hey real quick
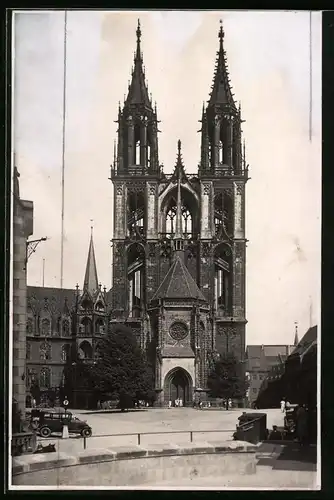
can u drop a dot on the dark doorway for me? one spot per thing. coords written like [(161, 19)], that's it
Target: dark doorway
[(179, 386)]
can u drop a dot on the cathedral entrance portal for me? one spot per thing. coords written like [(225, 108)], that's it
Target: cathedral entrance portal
[(178, 386)]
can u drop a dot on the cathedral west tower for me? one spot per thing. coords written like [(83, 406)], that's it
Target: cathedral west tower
[(179, 239)]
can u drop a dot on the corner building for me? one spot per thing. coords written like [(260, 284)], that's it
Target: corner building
[(179, 239)]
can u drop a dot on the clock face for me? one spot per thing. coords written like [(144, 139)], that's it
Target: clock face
[(178, 331)]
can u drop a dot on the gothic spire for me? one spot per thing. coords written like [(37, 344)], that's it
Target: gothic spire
[(296, 340), (221, 90), (138, 92), (178, 228), (91, 284)]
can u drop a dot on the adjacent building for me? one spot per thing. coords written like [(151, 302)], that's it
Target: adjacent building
[(296, 378), (262, 362), (63, 326), (22, 229)]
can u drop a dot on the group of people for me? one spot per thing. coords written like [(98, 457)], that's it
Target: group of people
[(177, 403), (301, 420)]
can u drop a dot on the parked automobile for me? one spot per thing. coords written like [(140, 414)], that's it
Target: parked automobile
[(47, 422)]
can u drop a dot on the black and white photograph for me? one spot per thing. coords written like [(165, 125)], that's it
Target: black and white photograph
[(165, 277)]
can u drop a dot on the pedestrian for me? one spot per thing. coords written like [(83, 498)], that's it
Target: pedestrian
[(283, 405), (275, 434), (169, 404), (302, 427), (230, 403)]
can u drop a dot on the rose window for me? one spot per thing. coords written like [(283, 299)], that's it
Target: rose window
[(178, 331)]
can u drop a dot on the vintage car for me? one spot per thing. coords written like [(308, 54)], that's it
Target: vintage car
[(48, 422)]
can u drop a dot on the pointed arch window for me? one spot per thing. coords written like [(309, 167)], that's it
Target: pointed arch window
[(86, 326), (45, 351), (99, 306), (45, 327), (187, 223), (65, 352), (136, 274), (186, 220), (66, 330), (45, 377), (221, 152), (100, 326), (30, 326), (85, 350), (223, 277), (137, 153), (31, 378), (171, 220)]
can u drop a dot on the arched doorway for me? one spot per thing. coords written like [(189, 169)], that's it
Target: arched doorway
[(178, 385)]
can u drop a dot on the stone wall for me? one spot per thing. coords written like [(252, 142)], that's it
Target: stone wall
[(135, 465)]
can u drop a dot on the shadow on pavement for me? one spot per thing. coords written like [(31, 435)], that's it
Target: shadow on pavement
[(288, 456)]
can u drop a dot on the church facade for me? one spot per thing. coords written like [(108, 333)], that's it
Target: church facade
[(179, 243), (179, 251)]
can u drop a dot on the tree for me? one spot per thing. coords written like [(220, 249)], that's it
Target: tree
[(227, 378), (122, 370)]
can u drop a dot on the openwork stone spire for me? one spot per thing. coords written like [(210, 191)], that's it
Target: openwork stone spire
[(221, 92), (138, 92)]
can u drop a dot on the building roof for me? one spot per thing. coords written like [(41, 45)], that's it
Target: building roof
[(277, 350), (178, 283), (264, 357), (91, 284), (56, 300), (309, 339)]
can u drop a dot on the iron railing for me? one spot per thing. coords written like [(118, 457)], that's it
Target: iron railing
[(139, 435)]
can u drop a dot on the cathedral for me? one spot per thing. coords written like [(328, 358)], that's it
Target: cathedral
[(178, 250)]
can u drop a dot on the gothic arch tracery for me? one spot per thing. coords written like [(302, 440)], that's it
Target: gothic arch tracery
[(136, 279), (223, 262), (189, 211)]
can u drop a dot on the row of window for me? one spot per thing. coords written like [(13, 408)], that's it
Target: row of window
[(45, 351), (44, 329), (255, 376), (43, 379)]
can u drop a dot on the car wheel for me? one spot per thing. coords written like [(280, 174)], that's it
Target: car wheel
[(87, 432), (45, 432)]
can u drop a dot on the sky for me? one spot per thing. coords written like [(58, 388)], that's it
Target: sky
[(269, 63)]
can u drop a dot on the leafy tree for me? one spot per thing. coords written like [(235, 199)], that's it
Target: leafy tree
[(122, 370), (227, 378)]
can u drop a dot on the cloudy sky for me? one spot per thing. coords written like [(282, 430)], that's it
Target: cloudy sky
[(269, 63)]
